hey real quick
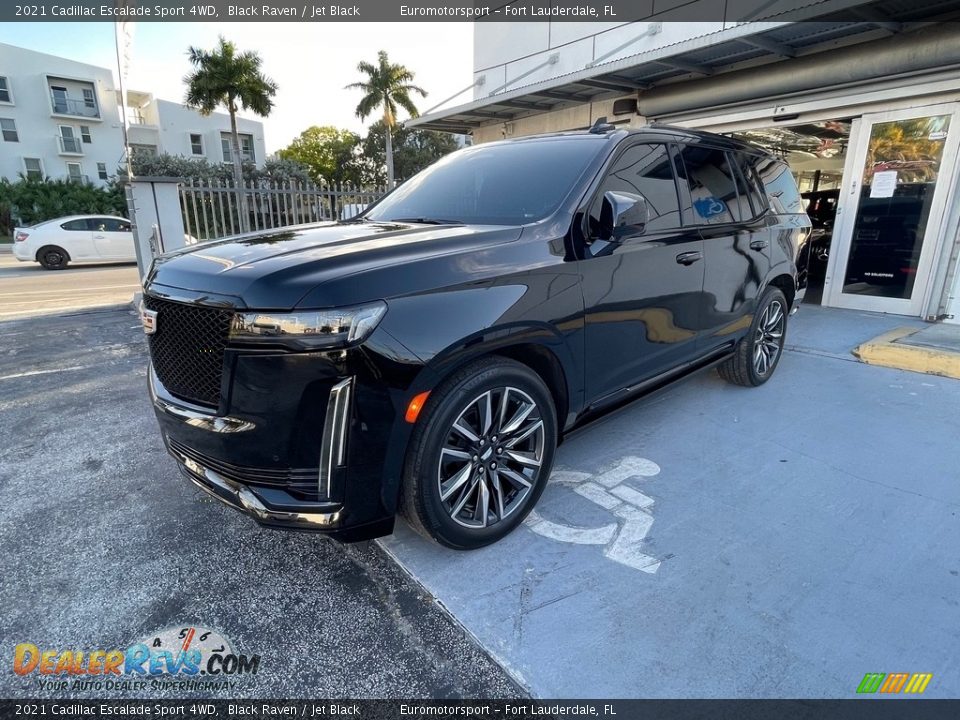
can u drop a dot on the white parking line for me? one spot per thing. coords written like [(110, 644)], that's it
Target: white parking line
[(43, 372)]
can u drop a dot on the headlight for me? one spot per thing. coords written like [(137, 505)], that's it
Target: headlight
[(309, 329)]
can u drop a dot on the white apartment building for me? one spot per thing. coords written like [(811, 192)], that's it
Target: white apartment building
[(862, 87), (62, 119)]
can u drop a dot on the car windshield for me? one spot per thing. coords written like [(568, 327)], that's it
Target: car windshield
[(509, 184)]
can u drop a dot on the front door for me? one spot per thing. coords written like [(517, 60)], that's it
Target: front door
[(900, 169), (113, 238), (642, 293)]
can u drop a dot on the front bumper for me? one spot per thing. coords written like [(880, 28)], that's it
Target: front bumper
[(331, 495)]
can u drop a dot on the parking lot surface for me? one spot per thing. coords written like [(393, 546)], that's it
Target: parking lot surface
[(710, 541), (716, 541), (105, 544)]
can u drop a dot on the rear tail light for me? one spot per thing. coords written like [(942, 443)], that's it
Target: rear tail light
[(21, 236)]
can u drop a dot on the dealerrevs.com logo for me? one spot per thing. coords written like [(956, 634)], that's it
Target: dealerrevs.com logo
[(180, 658)]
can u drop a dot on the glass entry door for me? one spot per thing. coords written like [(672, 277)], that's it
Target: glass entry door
[(900, 171)]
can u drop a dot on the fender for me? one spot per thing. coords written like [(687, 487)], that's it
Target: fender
[(466, 323)]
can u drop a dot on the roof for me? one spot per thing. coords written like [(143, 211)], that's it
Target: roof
[(744, 45)]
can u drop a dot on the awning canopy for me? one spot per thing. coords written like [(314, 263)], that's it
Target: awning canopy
[(735, 48)]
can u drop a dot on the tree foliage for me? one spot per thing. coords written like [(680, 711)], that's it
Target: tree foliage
[(387, 85), (329, 154), (177, 166), (232, 79), (413, 150), (30, 201)]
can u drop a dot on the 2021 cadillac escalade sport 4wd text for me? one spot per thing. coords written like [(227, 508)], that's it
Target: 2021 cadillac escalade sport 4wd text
[(428, 355)]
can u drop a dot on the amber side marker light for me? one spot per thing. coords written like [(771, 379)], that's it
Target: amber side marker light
[(415, 406)]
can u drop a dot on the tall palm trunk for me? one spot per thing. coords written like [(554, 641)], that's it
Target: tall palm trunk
[(242, 206), (389, 157)]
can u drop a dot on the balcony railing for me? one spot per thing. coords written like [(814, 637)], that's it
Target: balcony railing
[(70, 145), (71, 106)]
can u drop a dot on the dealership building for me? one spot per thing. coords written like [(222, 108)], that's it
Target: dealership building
[(862, 98)]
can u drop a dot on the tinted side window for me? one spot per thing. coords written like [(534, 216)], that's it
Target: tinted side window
[(114, 224), (81, 224), (713, 189), (643, 170), (781, 189)]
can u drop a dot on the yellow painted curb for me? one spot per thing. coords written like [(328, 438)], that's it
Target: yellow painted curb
[(883, 350)]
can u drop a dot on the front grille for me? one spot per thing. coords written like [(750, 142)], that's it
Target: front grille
[(187, 349), (301, 479)]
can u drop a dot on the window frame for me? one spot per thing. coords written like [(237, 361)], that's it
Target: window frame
[(27, 171), (89, 101), (612, 161), (8, 90), (85, 137), (79, 166), (199, 136), (4, 131), (102, 174), (748, 158)]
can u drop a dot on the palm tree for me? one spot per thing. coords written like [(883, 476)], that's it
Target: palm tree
[(232, 79), (387, 85)]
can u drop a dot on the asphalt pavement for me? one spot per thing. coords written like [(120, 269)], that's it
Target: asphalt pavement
[(27, 290), (105, 544)]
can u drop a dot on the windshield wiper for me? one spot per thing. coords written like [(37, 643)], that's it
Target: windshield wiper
[(427, 221)]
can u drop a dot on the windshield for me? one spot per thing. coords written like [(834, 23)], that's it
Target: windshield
[(509, 184)]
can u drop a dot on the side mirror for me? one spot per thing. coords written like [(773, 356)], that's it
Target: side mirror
[(622, 214)]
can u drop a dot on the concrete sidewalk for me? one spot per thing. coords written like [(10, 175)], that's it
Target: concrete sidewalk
[(772, 542)]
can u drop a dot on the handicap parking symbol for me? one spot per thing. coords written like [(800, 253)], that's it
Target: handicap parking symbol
[(622, 538)]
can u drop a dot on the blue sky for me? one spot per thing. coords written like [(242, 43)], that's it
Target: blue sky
[(311, 62)]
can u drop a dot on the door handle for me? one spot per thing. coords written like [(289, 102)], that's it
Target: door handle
[(98, 237), (689, 258), (759, 244)]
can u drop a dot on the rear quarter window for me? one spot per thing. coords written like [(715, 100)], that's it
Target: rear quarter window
[(82, 224), (779, 185)]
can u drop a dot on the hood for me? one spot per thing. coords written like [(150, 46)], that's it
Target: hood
[(276, 269)]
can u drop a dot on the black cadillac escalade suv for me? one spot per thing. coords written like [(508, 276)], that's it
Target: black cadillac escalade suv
[(428, 355)]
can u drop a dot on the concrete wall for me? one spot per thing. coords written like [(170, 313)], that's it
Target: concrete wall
[(572, 118), (38, 127), (178, 122), (503, 53)]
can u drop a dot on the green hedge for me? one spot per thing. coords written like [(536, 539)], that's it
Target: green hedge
[(27, 202)]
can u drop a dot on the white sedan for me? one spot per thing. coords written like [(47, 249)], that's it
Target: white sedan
[(75, 239)]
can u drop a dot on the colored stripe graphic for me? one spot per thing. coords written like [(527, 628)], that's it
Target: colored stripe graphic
[(918, 683), (894, 683), (871, 682)]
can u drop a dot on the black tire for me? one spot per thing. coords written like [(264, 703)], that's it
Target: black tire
[(52, 257), (458, 400), (745, 367)]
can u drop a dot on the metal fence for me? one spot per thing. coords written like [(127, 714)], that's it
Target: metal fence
[(211, 208)]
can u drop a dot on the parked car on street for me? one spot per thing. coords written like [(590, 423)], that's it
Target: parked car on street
[(429, 354), (75, 239)]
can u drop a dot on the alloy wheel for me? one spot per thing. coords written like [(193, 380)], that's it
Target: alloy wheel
[(768, 341), (491, 457)]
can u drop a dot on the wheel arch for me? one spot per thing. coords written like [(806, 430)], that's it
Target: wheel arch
[(786, 285), (44, 246)]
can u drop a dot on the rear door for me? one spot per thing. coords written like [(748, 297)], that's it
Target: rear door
[(729, 210), (77, 239), (642, 294)]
